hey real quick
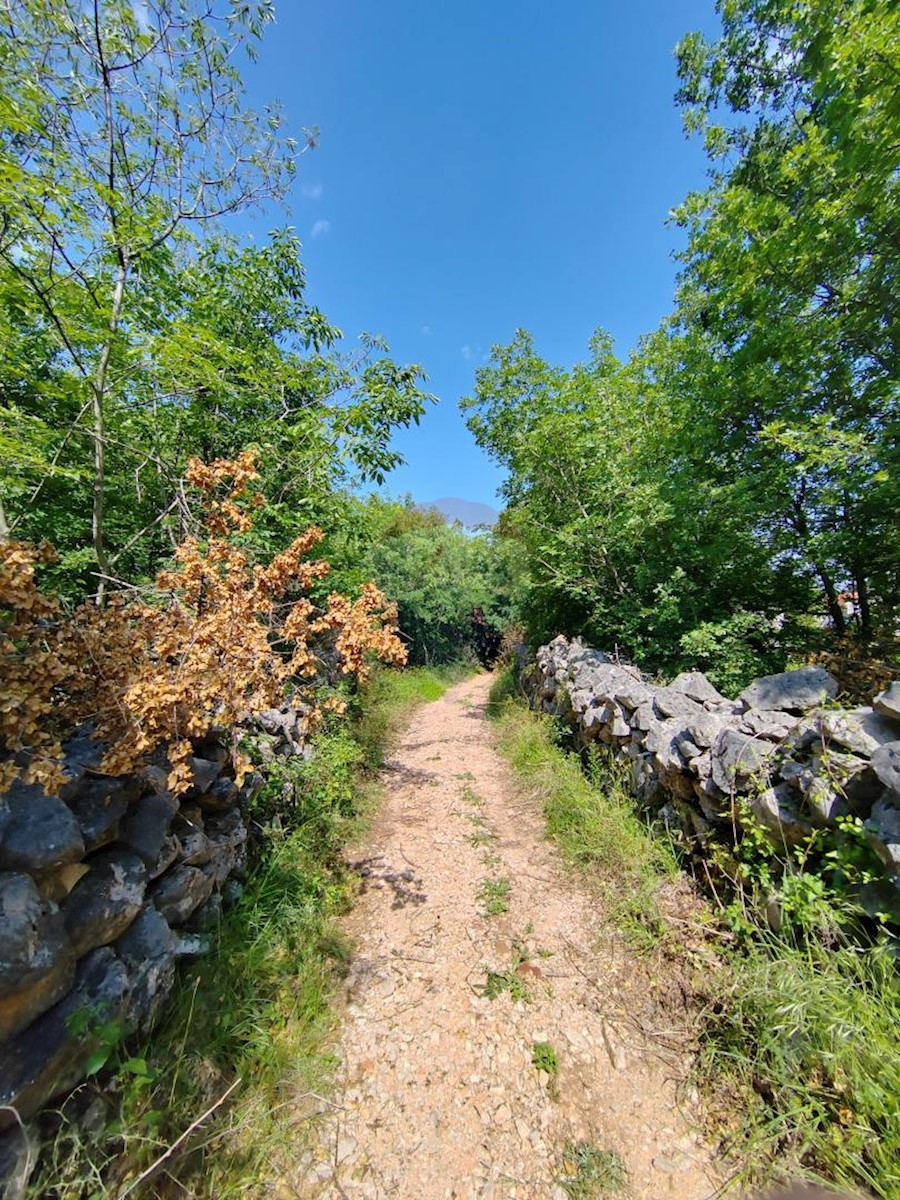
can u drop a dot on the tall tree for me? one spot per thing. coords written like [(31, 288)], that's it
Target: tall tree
[(122, 126), (791, 277)]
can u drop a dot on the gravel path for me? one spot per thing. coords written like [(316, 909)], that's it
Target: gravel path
[(440, 1091)]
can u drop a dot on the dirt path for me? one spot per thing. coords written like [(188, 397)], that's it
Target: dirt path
[(439, 1093)]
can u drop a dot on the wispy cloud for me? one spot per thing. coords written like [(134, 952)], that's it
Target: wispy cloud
[(320, 228), (467, 352), (426, 329), (311, 191)]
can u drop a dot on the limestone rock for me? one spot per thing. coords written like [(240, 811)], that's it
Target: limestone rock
[(669, 702), (19, 1153), (38, 833), (884, 829), (37, 963), (662, 742), (886, 765), (99, 806), (775, 809), (195, 848), (737, 758), (825, 804), (148, 949), (859, 730), (697, 687), (171, 848), (204, 773), (772, 725), (51, 1055), (177, 893), (791, 691), (887, 703), (147, 825), (222, 795), (81, 753), (704, 727), (104, 902)]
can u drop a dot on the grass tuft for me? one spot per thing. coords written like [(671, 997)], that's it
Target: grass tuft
[(589, 1172), (592, 818)]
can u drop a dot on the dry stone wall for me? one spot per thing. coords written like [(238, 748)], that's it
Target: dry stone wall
[(103, 888), (795, 760)]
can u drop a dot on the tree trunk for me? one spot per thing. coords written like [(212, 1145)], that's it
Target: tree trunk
[(862, 593), (98, 433)]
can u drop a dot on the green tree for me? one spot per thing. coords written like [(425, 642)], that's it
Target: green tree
[(790, 279), (438, 574), (121, 125), (628, 539), (139, 333)]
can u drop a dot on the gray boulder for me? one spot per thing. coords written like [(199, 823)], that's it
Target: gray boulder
[(50, 1057), (38, 833), (105, 901), (770, 724), (99, 806), (697, 687), (147, 825), (148, 949), (886, 765), (737, 759), (669, 702), (884, 831), (204, 773), (177, 893), (37, 963), (662, 742), (791, 691), (887, 703), (774, 808), (859, 730)]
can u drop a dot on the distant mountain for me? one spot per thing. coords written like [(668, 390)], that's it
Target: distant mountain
[(467, 512)]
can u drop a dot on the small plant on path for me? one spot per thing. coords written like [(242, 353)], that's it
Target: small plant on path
[(589, 1172), (544, 1058), (511, 980), (494, 895)]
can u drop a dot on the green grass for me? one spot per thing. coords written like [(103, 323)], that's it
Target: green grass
[(258, 1009), (806, 1040), (590, 1172), (499, 983), (799, 1055), (544, 1058), (592, 818), (494, 896)]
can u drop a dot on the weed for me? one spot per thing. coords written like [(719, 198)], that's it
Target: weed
[(589, 1172), (482, 837), (544, 1058), (494, 895), (469, 796), (510, 980)]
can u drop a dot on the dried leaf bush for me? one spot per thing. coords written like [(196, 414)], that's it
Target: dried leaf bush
[(218, 639)]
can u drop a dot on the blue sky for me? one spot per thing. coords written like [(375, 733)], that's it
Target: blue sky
[(483, 166)]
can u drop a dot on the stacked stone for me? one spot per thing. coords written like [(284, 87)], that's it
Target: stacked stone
[(797, 761), (102, 888)]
